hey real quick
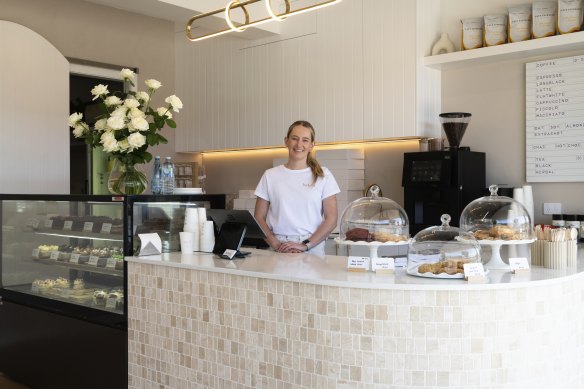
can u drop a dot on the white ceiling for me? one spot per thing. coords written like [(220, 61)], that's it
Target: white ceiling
[(180, 11)]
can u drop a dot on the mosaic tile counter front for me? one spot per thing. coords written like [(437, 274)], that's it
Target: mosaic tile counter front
[(193, 328)]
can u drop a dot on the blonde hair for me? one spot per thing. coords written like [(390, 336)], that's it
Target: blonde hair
[(310, 160)]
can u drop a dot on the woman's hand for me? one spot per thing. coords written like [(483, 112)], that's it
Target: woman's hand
[(292, 247)]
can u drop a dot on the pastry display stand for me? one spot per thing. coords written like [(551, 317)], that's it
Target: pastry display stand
[(496, 262), (372, 246)]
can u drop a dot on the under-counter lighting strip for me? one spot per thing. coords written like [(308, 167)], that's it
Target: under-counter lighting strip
[(319, 144), (233, 4)]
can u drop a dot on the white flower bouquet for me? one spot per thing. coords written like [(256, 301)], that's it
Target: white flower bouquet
[(126, 128)]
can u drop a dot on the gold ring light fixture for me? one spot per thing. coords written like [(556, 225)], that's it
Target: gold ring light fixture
[(234, 4)]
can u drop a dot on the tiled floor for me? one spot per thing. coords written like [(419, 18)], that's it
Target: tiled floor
[(7, 383)]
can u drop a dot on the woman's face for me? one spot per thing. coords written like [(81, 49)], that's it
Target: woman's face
[(299, 142)]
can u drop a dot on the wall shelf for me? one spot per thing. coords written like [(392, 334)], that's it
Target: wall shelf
[(525, 49)]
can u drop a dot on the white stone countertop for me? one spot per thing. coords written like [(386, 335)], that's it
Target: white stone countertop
[(331, 270)]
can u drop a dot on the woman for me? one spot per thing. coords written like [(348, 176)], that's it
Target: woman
[(296, 202)]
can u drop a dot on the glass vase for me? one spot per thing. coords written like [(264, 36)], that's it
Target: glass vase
[(125, 179)]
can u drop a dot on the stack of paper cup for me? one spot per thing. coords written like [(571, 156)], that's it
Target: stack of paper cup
[(528, 201), (188, 242), (203, 244), (193, 225), (207, 237)]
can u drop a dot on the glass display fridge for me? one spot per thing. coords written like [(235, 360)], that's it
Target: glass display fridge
[(63, 281)]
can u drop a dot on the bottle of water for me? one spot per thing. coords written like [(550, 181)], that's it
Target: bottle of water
[(167, 177), (156, 182)]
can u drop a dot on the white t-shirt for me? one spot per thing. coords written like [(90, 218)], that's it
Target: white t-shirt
[(295, 204)]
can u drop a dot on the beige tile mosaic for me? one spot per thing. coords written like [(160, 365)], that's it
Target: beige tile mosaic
[(198, 329)]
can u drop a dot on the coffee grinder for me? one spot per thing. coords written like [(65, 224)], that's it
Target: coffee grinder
[(439, 182)]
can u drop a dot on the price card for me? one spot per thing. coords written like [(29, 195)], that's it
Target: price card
[(68, 225), (106, 228), (88, 226), (35, 288), (74, 258), (111, 263), (474, 272), (519, 265), (35, 253), (49, 223), (33, 223), (66, 293), (358, 264), (110, 302), (54, 255), (93, 260), (383, 265), (229, 254)]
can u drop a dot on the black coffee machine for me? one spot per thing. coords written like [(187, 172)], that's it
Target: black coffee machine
[(439, 182)]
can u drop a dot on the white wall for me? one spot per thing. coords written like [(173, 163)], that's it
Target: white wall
[(495, 95), (34, 95)]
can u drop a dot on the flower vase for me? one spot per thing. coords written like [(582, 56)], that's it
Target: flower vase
[(125, 179), (443, 45)]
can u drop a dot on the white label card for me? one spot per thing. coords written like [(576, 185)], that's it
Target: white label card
[(68, 225), (54, 255), (473, 270), (383, 264), (35, 288), (106, 228), (110, 302), (518, 264), (93, 260), (88, 226), (35, 253), (74, 258), (66, 293), (228, 253), (358, 264), (49, 223), (111, 263), (33, 223)]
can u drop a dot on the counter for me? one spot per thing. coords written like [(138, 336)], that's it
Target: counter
[(299, 320)]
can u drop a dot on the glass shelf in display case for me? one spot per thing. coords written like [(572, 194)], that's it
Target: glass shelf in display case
[(65, 251)]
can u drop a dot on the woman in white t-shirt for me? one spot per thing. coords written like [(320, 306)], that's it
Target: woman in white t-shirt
[(296, 202)]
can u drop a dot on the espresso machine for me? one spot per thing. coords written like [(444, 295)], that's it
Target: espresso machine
[(439, 182)]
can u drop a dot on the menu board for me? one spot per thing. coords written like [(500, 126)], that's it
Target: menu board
[(554, 122)]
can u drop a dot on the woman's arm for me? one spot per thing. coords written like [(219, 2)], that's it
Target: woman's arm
[(329, 206), (261, 213)]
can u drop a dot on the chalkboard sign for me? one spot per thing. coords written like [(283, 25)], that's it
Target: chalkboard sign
[(554, 120)]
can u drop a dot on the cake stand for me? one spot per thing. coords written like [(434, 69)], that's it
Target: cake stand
[(496, 262), (373, 246)]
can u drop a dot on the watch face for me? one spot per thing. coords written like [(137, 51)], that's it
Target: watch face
[(305, 241)]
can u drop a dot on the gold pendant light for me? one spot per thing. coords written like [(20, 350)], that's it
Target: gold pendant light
[(234, 4)]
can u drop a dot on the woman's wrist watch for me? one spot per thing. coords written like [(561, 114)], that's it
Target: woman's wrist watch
[(306, 242)]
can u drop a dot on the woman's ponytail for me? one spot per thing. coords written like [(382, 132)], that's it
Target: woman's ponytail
[(315, 167), (310, 160)]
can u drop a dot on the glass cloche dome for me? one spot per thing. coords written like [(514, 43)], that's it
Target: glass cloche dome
[(374, 219), (441, 252), (496, 217)]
